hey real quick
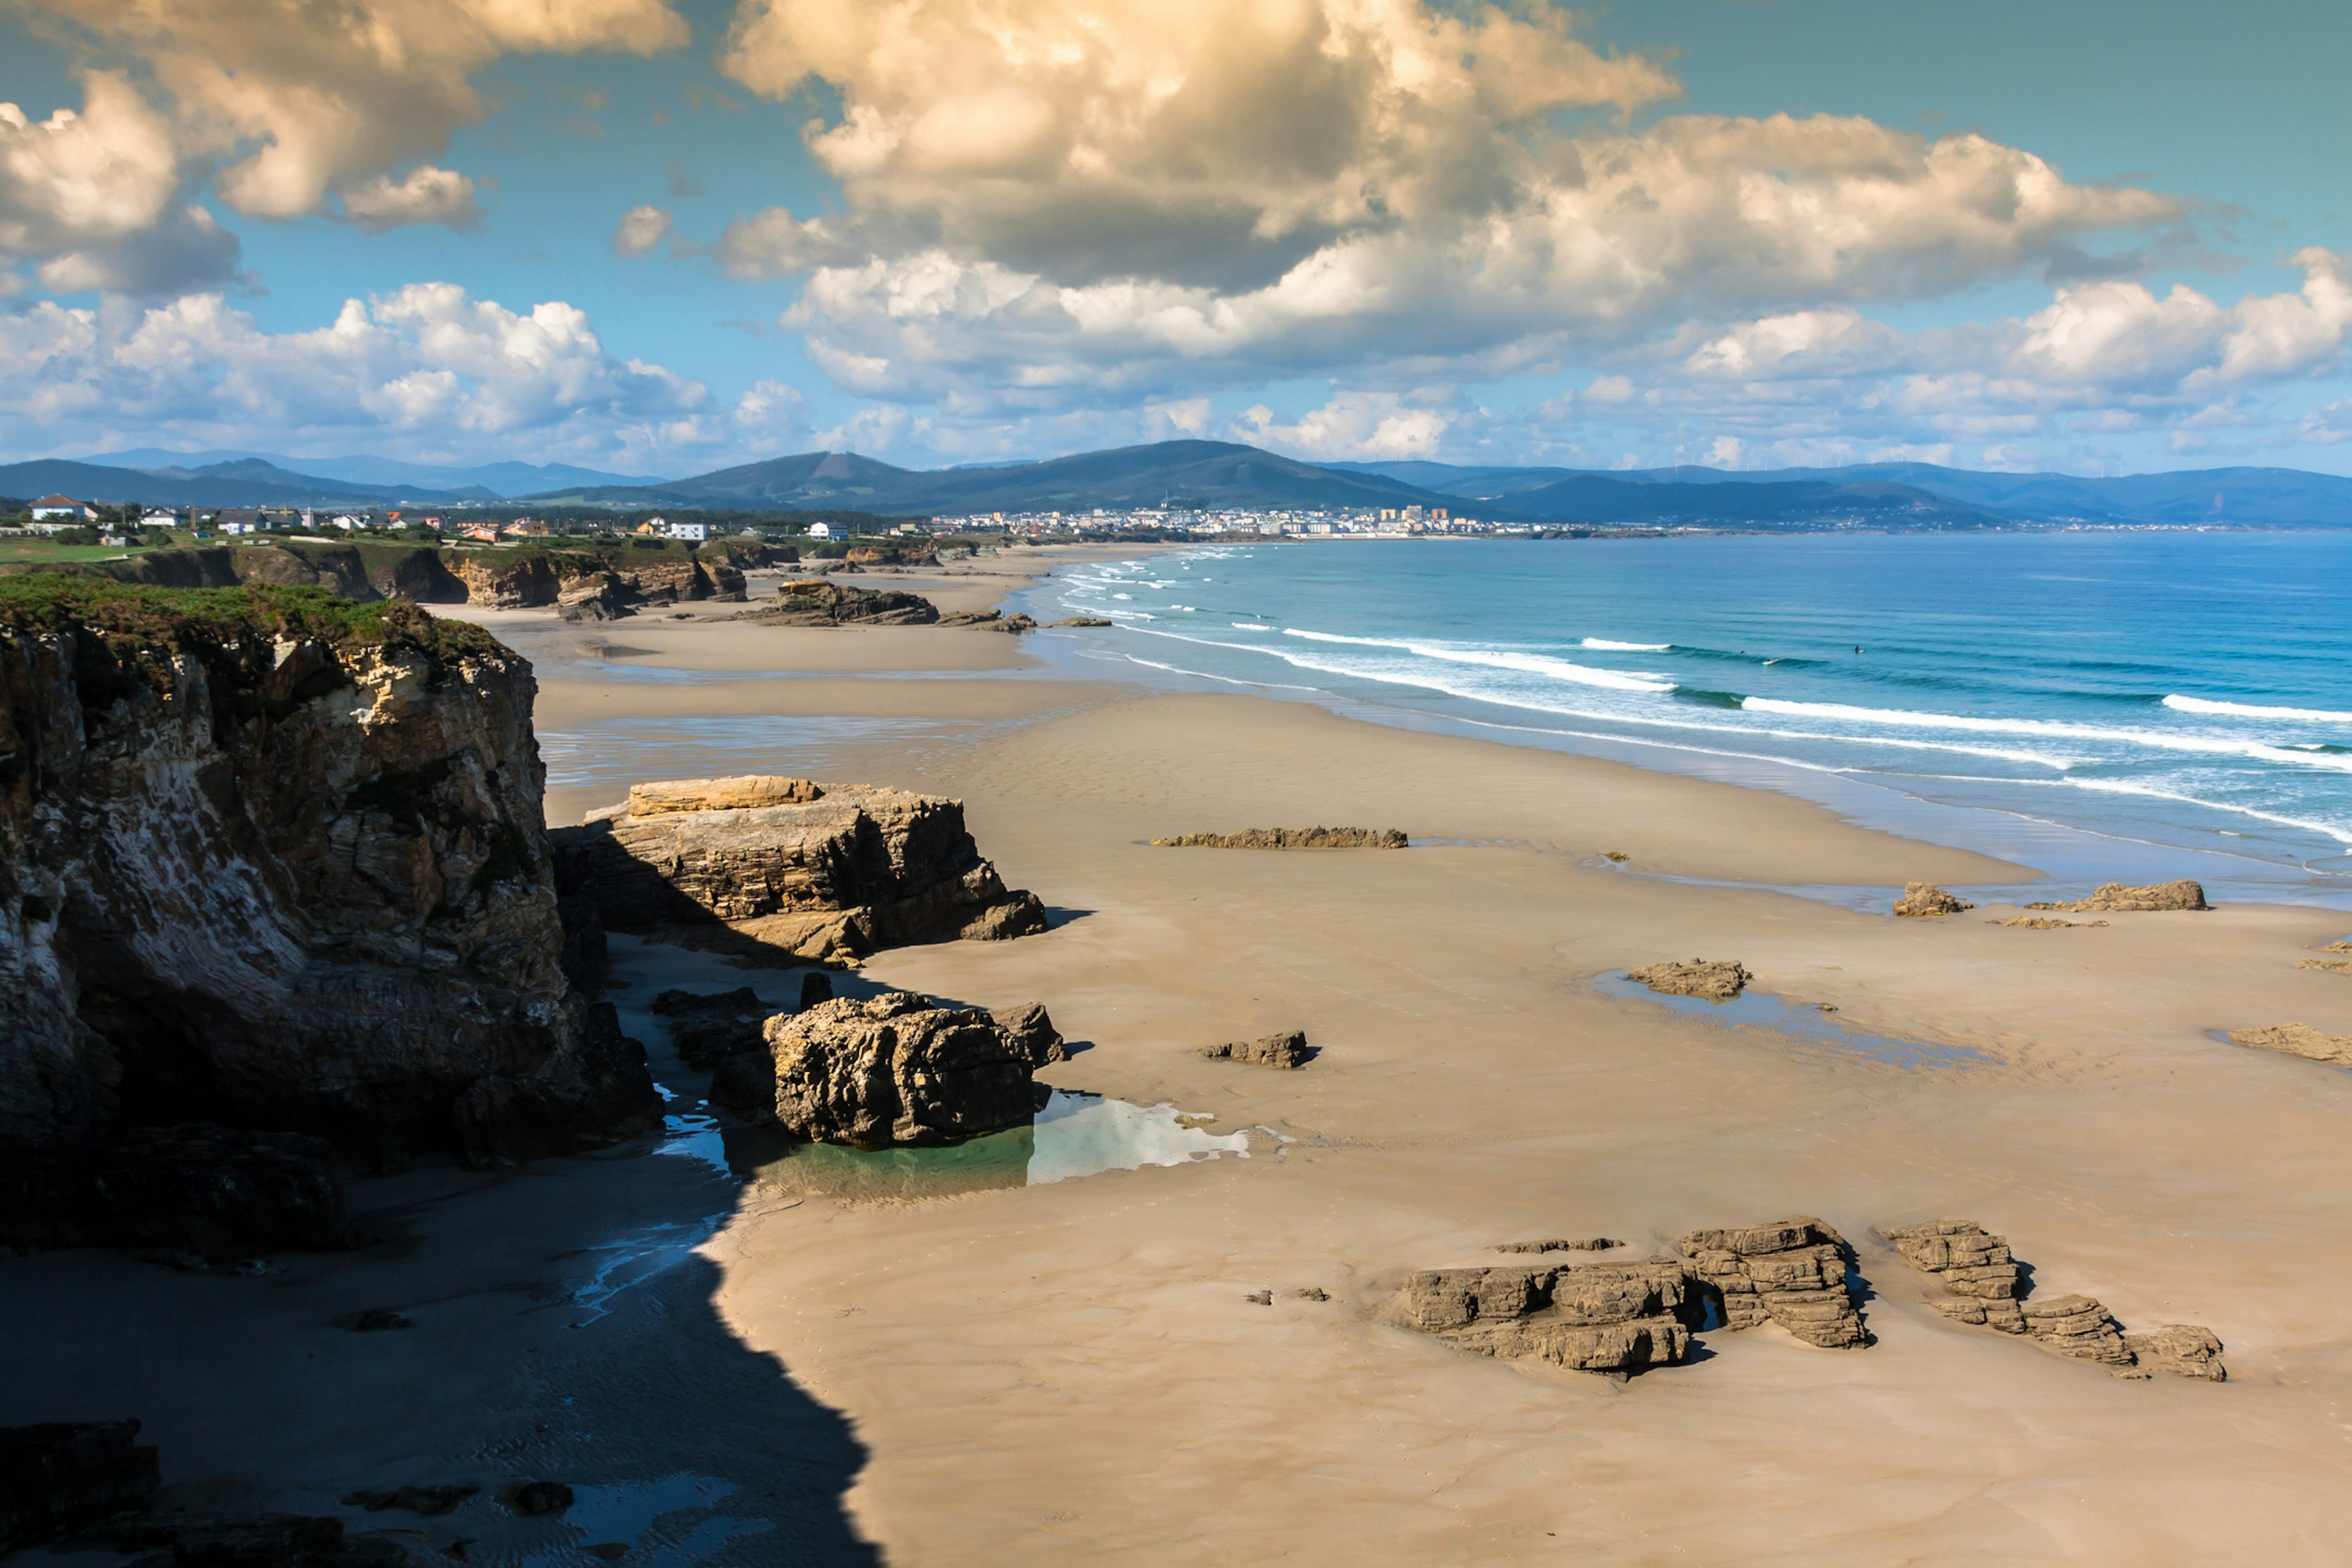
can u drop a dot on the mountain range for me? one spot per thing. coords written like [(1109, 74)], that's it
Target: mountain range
[(1213, 475)]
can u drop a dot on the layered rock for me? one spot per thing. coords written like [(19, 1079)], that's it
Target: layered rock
[(829, 878), (505, 582), (596, 597), (1987, 1289), (2116, 899), (1925, 900), (817, 601), (1289, 838), (1791, 1272), (2299, 1041), (1595, 1317), (748, 792), (898, 1070), (1289, 1050), (276, 862), (1588, 1244), (1716, 980)]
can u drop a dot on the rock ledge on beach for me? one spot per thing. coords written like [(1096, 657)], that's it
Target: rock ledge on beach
[(1618, 1317), (1791, 1272), (1289, 838), (1715, 979), (2116, 899), (2299, 1041), (1925, 900), (1289, 1050)]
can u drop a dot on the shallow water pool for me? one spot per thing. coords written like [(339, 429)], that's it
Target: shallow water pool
[(1760, 1009)]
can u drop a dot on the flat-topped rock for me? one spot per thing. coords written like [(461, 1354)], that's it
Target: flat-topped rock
[(1925, 900), (897, 1070), (1290, 838), (2299, 1041), (1984, 1277), (1716, 979), (2116, 899), (1288, 1050), (829, 878), (1596, 1317), (820, 602), (744, 793), (1790, 1272), (2184, 1349)]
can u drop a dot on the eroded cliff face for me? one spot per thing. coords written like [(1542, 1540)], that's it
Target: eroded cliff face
[(273, 861)]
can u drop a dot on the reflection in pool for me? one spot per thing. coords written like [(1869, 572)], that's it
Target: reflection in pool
[(1810, 1024), (1073, 1134)]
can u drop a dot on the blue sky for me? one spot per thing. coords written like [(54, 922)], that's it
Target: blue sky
[(2094, 238)]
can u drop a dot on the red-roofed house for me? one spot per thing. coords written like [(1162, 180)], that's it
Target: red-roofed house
[(63, 509)]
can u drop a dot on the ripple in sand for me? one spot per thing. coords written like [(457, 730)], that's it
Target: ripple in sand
[(1815, 1028)]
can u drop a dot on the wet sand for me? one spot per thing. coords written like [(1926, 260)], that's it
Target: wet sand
[(1073, 1372)]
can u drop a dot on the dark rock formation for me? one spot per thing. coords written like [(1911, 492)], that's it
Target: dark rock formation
[(60, 1476), (1083, 621), (815, 987), (704, 1028), (507, 582), (597, 597), (534, 1498), (1716, 980), (1791, 1272), (1593, 1317), (1989, 1289), (431, 1502), (1925, 900), (1031, 1033), (2299, 1041), (1283, 1051), (1289, 838), (1590, 1243), (817, 601), (2116, 899), (826, 878), (207, 1192), (897, 1070), (276, 862)]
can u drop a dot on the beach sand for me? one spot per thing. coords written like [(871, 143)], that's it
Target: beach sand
[(1073, 1372)]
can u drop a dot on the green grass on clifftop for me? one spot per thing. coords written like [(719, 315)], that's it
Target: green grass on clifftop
[(50, 602)]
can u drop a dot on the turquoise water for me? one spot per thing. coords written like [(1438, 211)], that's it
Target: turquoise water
[(2162, 690)]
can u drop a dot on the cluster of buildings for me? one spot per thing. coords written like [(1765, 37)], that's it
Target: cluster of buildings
[(1328, 522)]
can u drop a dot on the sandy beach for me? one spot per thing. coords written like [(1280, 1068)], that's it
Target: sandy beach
[(1075, 1373)]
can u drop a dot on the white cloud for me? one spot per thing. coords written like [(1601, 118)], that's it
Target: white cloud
[(427, 195), (639, 230), (1363, 426)]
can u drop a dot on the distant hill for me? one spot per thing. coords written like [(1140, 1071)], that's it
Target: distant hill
[(243, 483), (2275, 497), (499, 480), (1167, 473)]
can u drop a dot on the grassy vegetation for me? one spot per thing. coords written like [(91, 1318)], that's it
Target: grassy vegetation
[(184, 617)]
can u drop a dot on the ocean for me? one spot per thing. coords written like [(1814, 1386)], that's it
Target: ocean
[(2083, 702)]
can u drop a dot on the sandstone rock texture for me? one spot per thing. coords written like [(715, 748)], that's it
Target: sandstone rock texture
[(2042, 922), (1290, 838), (1791, 1272), (276, 862), (2116, 899), (1925, 900), (1716, 980), (1287, 1051), (818, 602), (2299, 1041), (1593, 1317), (747, 793), (898, 1070), (1031, 1033), (1989, 1289), (828, 879), (2330, 965)]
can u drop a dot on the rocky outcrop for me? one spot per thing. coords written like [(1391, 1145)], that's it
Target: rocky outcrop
[(1715, 979), (1619, 1318), (1590, 1244), (897, 1070), (818, 602), (1082, 621), (748, 792), (2299, 1041), (596, 597), (1987, 1289), (62, 1475), (204, 1192), (1289, 838), (1289, 1050), (1925, 900), (505, 582), (2044, 922), (2327, 965), (1032, 1034), (664, 578), (276, 862), (830, 878), (2116, 899), (1791, 1272)]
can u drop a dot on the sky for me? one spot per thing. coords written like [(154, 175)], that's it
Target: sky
[(663, 237)]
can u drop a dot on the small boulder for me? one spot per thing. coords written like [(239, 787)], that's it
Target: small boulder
[(1925, 900), (1716, 980), (815, 987), (1289, 1049), (535, 1498), (2184, 1349), (896, 1070), (1031, 1033)]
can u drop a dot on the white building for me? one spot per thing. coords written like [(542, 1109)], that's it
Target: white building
[(158, 517), (63, 509), (820, 530), (692, 533)]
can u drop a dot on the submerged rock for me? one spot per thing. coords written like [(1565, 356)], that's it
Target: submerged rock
[(1596, 1317), (1989, 1289), (829, 876), (1283, 1051), (2116, 899), (2299, 1041), (1925, 900), (1716, 980), (1290, 838), (1791, 1272), (898, 1070)]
